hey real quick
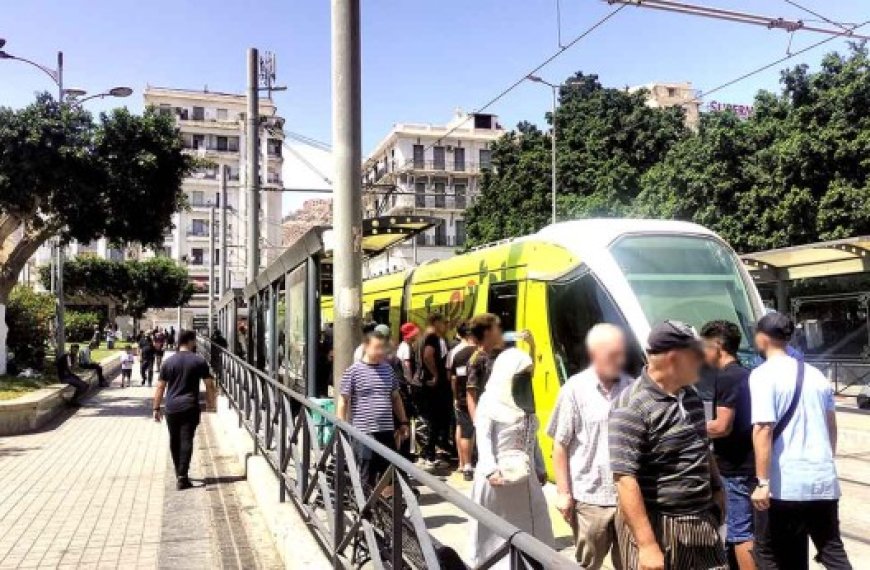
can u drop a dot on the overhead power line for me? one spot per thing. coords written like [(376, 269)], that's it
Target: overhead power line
[(845, 33), (735, 16), (840, 25)]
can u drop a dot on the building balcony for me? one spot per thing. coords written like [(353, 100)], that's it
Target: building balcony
[(426, 240), (388, 172)]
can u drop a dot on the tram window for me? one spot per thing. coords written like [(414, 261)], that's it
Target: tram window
[(576, 304), (502, 302), (381, 312)]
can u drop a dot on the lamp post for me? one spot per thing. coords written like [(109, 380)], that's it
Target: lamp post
[(72, 95), (555, 89)]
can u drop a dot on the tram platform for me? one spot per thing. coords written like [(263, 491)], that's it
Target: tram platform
[(95, 489)]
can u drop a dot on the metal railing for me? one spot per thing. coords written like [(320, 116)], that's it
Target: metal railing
[(307, 446), (847, 376)]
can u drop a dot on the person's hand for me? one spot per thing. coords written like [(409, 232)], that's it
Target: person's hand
[(565, 506), (431, 383), (158, 415), (761, 498), (719, 500), (495, 479), (403, 432), (650, 557)]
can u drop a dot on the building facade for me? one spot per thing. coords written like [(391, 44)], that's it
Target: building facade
[(682, 95), (212, 126), (428, 170)]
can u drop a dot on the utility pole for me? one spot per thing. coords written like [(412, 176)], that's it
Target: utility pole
[(222, 268), (61, 313), (553, 151), (253, 166), (211, 287), (347, 192)]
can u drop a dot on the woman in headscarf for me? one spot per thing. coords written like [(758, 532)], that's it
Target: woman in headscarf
[(510, 468)]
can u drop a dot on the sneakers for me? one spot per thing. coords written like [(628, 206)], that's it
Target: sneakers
[(468, 473), (183, 483)]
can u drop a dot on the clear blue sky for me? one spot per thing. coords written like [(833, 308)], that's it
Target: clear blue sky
[(420, 59)]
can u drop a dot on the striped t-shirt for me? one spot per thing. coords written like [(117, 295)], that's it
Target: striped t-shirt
[(370, 389), (661, 440)]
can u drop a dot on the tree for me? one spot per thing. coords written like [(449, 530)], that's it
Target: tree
[(29, 316), (606, 140), (65, 174), (133, 286)]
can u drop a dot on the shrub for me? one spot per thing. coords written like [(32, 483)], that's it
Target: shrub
[(29, 315), (80, 325)]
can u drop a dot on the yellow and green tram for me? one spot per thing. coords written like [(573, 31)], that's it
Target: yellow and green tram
[(561, 281)]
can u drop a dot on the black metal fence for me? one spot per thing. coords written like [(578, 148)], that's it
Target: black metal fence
[(307, 446)]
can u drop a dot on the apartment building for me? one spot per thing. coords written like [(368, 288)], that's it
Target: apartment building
[(212, 126), (428, 170), (674, 95)]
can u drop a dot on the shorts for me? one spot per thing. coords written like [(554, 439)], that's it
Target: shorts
[(463, 420), (126, 373), (739, 518), (370, 463)]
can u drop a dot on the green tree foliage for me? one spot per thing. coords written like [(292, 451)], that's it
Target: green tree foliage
[(65, 173), (29, 315), (796, 171), (134, 286), (80, 325)]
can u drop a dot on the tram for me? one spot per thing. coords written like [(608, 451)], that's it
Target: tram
[(562, 280)]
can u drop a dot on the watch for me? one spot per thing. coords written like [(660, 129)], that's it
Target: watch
[(763, 482)]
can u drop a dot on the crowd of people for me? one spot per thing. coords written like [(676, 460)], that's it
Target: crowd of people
[(648, 473)]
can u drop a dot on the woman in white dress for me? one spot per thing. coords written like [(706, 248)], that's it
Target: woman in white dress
[(510, 467)]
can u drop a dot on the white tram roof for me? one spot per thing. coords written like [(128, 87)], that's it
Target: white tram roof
[(585, 237)]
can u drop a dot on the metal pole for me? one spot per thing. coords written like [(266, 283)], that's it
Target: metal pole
[(553, 151), (222, 270), (211, 287), (178, 319), (61, 317), (347, 152), (253, 166)]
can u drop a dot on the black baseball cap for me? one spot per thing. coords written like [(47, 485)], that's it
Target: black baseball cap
[(776, 326), (673, 335)]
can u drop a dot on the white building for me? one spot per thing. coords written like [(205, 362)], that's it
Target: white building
[(661, 95), (428, 170), (213, 126)]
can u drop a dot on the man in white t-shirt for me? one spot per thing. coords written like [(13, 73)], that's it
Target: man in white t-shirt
[(795, 439), (406, 350)]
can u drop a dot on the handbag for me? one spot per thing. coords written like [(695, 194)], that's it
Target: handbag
[(514, 465)]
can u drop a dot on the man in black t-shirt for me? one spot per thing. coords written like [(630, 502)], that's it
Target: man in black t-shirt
[(179, 382), (435, 395), (731, 432), (459, 381), (146, 359)]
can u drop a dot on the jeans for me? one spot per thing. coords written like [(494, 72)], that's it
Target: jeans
[(146, 368), (182, 428), (740, 512), (80, 385), (781, 535), (99, 370)]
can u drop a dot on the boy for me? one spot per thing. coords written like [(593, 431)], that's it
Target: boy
[(127, 360)]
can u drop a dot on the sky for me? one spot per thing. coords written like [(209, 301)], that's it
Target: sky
[(420, 60)]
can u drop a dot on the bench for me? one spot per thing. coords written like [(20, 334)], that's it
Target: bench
[(33, 410)]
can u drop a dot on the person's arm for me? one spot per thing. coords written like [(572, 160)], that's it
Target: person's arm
[(716, 486), (633, 509), (158, 398), (471, 392), (486, 461), (530, 340), (454, 387), (399, 411), (342, 408), (762, 396), (832, 429), (561, 429), (430, 361), (723, 424)]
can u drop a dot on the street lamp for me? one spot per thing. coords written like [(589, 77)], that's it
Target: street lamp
[(113, 92), (555, 88)]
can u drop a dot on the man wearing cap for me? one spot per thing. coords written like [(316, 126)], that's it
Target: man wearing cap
[(669, 493), (795, 439)]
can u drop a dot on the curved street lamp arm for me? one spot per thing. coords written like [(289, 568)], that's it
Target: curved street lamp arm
[(48, 71)]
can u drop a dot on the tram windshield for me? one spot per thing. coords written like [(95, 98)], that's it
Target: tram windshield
[(693, 279)]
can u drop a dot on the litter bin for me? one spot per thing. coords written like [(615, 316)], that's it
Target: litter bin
[(321, 424)]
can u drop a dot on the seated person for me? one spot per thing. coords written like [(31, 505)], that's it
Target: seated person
[(87, 363), (65, 374)]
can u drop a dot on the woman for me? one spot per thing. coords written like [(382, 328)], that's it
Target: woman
[(510, 467)]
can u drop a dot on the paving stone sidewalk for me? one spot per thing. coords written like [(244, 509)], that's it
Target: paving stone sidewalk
[(95, 489)]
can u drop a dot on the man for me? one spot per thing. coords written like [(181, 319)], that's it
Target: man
[(435, 394), (666, 479), (370, 401), (64, 364), (179, 382), (731, 432), (87, 363), (487, 333), (458, 370), (146, 359), (405, 351), (795, 439), (586, 494)]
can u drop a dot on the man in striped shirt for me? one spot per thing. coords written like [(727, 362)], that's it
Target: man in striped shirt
[(670, 495), (370, 400)]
